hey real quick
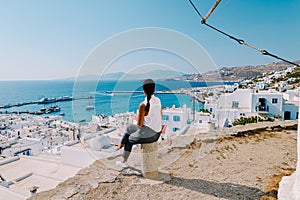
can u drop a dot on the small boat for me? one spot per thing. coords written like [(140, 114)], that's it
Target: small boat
[(89, 107), (46, 100), (55, 108), (83, 120), (110, 94), (62, 114), (65, 98), (39, 113)]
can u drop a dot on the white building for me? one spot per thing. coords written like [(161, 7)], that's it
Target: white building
[(204, 121), (101, 120), (247, 103), (289, 186), (176, 119), (262, 86)]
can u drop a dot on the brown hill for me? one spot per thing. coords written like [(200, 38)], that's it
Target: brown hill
[(238, 73)]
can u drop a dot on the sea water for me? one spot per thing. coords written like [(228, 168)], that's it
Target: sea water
[(12, 92)]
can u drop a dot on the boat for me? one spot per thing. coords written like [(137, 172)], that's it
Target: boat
[(109, 93), (89, 107), (62, 114), (55, 108), (39, 113), (64, 98), (46, 100)]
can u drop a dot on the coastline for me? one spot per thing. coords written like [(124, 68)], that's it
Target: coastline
[(32, 91)]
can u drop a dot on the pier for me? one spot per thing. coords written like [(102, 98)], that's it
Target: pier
[(186, 92), (141, 92), (44, 101)]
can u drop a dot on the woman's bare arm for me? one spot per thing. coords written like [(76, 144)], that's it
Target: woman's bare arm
[(141, 115)]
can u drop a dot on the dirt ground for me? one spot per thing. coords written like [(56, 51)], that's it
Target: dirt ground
[(245, 167)]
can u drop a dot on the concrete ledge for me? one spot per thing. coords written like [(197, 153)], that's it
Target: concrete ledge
[(9, 160)]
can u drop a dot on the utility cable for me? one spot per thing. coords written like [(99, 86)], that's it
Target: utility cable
[(240, 41)]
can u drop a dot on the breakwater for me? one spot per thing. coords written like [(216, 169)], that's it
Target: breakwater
[(44, 101)]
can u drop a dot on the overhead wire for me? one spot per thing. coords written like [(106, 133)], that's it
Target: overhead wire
[(240, 41)]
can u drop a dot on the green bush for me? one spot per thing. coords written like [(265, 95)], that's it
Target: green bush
[(277, 116), (204, 110), (250, 120)]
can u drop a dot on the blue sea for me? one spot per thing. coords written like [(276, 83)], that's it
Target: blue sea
[(12, 92)]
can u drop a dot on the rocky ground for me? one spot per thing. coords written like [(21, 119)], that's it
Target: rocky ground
[(246, 165)]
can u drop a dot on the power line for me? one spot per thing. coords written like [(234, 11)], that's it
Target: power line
[(240, 41)]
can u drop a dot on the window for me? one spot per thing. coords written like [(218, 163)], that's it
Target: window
[(176, 118), (165, 117), (235, 104), (210, 109), (175, 129), (200, 121), (274, 100)]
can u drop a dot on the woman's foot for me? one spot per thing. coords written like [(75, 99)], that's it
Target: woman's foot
[(122, 164), (115, 154)]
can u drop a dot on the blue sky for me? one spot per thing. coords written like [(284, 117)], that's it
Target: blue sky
[(50, 39)]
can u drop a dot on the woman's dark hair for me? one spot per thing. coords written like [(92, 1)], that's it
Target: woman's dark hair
[(149, 88)]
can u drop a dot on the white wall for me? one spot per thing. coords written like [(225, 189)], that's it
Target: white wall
[(274, 108), (34, 145), (203, 121), (291, 108), (289, 185), (243, 97), (182, 113)]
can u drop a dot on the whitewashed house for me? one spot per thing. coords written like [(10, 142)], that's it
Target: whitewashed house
[(26, 146), (262, 85), (176, 119), (101, 120), (204, 121), (247, 102), (290, 69), (230, 88)]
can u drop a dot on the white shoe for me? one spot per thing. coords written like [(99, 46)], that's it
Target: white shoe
[(122, 164), (115, 154)]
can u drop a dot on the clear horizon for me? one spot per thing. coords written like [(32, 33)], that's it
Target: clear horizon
[(51, 39)]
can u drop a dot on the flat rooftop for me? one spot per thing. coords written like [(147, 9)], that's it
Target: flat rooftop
[(46, 173)]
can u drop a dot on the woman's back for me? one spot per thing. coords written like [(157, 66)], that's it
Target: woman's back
[(153, 118)]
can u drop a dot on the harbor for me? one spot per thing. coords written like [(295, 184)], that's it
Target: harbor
[(43, 101)]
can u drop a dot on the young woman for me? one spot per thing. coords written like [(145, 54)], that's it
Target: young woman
[(148, 128)]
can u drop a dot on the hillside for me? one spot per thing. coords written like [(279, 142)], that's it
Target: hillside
[(230, 167), (238, 73)]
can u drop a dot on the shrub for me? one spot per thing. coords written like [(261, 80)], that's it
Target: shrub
[(204, 110), (250, 120), (277, 116)]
